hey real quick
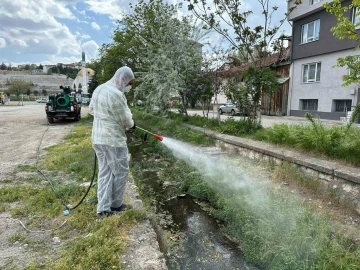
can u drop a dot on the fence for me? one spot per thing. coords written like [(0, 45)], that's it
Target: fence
[(26, 97)]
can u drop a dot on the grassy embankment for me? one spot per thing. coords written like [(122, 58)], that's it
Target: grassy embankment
[(281, 234), (335, 142)]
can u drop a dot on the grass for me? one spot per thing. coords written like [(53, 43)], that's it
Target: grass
[(229, 126), (26, 168), (14, 193), (336, 142), (88, 243), (286, 172), (74, 156), (278, 233), (101, 247), (18, 237)]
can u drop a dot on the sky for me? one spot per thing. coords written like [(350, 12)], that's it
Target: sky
[(57, 31)]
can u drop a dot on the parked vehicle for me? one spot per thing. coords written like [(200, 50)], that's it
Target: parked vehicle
[(3, 98), (229, 107), (64, 105), (42, 100), (85, 98)]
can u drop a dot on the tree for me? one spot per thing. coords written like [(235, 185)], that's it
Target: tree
[(252, 44), (36, 93), (18, 87), (169, 56), (96, 66), (44, 92), (345, 28), (3, 66), (127, 46), (28, 92), (200, 90), (27, 67)]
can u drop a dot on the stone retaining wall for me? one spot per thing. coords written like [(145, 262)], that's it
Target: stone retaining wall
[(339, 181)]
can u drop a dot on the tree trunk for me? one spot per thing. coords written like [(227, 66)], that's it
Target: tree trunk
[(183, 99)]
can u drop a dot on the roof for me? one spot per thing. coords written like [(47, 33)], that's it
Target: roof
[(271, 60)]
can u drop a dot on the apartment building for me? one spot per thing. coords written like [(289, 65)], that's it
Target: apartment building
[(316, 85)]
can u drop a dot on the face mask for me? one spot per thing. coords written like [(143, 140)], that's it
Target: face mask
[(127, 89)]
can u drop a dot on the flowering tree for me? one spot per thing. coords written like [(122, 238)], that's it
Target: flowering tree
[(169, 59)]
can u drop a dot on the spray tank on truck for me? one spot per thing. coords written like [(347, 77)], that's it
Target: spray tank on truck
[(64, 105)]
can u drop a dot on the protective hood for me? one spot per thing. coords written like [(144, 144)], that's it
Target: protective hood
[(121, 78)]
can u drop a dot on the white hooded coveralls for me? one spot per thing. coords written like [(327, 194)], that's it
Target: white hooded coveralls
[(112, 117)]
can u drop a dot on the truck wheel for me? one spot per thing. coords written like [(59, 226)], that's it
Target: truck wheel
[(50, 120), (78, 117)]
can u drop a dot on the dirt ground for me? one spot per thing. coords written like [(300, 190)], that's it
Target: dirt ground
[(21, 129)]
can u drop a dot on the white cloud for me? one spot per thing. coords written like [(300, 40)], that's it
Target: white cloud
[(85, 36), (32, 28), (2, 43), (91, 49), (61, 59), (113, 8), (95, 26)]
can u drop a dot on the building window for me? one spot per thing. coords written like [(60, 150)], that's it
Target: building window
[(314, 1), (311, 73), (310, 31), (355, 18), (309, 104), (342, 105)]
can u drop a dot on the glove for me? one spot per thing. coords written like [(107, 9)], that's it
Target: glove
[(132, 129)]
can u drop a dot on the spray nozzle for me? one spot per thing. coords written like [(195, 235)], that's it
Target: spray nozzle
[(158, 137)]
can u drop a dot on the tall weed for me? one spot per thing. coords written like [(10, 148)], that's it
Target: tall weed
[(338, 142)]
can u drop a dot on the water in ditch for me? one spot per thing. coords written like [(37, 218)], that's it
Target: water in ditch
[(194, 239)]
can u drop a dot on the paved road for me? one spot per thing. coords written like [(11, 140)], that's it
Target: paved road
[(21, 128), (268, 121)]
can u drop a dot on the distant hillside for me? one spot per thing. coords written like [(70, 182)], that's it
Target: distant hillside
[(50, 83)]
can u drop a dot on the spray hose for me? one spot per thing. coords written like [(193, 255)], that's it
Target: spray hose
[(156, 136), (68, 207)]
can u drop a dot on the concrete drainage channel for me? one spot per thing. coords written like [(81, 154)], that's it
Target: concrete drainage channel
[(339, 181), (188, 236)]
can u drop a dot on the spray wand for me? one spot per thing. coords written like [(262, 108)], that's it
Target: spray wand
[(156, 136)]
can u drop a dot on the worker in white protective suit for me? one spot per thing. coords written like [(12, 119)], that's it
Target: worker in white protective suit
[(112, 117)]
